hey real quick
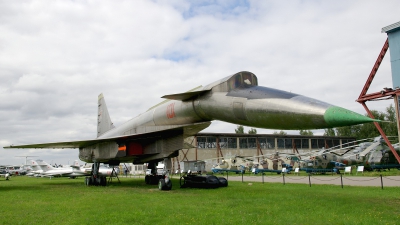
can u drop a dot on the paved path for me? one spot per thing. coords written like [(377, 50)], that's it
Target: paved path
[(388, 181)]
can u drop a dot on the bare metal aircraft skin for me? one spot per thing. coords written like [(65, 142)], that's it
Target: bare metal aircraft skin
[(159, 132)]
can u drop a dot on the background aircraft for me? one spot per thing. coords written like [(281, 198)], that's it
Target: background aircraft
[(36, 170), (372, 153), (16, 170), (236, 164), (158, 134), (72, 171), (275, 163)]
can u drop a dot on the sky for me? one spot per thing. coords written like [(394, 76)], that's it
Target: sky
[(56, 57)]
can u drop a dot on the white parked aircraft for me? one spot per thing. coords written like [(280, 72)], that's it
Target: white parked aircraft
[(35, 169), (50, 171)]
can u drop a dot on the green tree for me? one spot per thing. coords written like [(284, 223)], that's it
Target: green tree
[(240, 129), (390, 127), (348, 131), (252, 131), (306, 132), (330, 132), (280, 132)]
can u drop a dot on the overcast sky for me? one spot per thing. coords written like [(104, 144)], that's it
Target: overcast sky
[(56, 57)]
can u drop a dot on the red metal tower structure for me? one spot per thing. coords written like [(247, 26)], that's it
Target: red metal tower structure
[(386, 93)]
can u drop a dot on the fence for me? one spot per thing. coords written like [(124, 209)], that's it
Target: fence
[(389, 181)]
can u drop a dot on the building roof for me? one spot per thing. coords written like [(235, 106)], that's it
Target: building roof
[(201, 134), (391, 28)]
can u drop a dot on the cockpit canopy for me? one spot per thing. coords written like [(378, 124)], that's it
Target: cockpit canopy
[(237, 80), (226, 84)]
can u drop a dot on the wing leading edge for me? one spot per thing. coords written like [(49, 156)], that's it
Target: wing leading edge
[(188, 130)]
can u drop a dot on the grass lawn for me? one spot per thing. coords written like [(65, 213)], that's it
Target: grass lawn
[(26, 200)]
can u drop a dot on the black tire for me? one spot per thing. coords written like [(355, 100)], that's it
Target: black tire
[(182, 182), (98, 181), (168, 185), (92, 181), (161, 185), (103, 181), (155, 179)]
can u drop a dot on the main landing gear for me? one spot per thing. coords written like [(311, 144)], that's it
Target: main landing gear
[(95, 179), (165, 184), (163, 181)]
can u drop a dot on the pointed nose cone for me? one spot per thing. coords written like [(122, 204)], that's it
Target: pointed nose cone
[(338, 117)]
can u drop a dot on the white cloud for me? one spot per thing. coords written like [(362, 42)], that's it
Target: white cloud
[(56, 57)]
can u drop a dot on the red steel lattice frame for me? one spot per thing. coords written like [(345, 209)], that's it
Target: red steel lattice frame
[(378, 95)]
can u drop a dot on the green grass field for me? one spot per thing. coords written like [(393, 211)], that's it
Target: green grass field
[(26, 200)]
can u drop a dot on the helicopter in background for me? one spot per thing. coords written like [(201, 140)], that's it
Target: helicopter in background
[(373, 154)]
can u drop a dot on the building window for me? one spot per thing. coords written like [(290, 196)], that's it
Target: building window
[(262, 142), (321, 143), (297, 143), (223, 142), (252, 142), (305, 144), (317, 143), (270, 143), (211, 142), (288, 143), (206, 142), (329, 143), (243, 142), (314, 143), (201, 142), (232, 143), (281, 143), (336, 143)]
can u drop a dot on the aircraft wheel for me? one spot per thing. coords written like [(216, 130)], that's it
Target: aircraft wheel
[(161, 184), (98, 181), (89, 181), (182, 182), (103, 181), (154, 179), (92, 181), (168, 185)]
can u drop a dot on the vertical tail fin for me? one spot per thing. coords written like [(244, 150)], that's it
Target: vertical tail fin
[(104, 123), (34, 165), (44, 165), (76, 163)]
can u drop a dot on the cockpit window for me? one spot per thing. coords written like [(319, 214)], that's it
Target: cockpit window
[(242, 78)]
